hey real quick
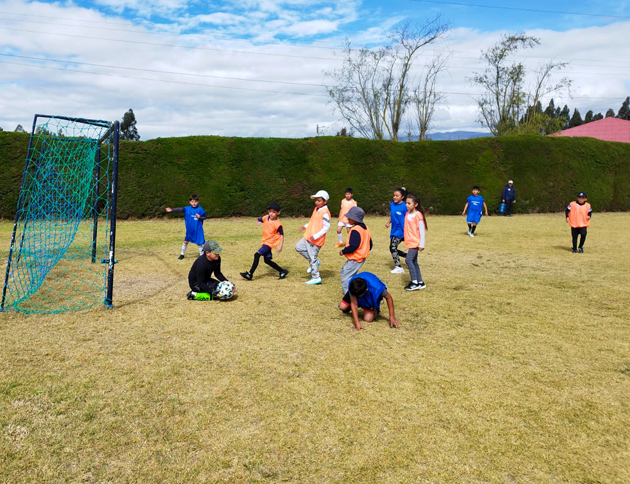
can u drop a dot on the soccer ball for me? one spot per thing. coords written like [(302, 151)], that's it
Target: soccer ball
[(225, 290)]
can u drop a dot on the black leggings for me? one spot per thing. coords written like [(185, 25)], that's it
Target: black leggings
[(267, 260), (574, 235), (394, 242)]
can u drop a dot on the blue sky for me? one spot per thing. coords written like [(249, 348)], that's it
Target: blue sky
[(256, 67)]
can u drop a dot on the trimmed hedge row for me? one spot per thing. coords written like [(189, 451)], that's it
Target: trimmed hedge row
[(240, 176)]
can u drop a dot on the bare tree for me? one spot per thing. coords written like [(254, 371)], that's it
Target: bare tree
[(506, 98), (425, 95), (371, 89)]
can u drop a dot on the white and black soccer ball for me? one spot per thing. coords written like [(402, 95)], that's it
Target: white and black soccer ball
[(225, 290)]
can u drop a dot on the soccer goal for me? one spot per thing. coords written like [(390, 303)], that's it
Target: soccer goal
[(62, 248)]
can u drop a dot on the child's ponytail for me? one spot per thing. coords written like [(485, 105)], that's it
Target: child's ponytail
[(402, 191), (420, 208)]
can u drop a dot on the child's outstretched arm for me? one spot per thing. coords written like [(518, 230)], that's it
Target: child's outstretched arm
[(354, 309), (485, 207), (465, 208), (169, 209), (393, 322)]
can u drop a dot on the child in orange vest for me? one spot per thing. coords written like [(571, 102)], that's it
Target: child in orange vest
[(346, 204), (315, 236), (358, 246), (273, 236), (415, 227), (578, 216)]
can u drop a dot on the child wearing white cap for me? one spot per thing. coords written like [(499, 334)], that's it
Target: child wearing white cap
[(315, 235)]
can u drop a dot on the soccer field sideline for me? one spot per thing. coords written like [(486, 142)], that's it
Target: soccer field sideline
[(512, 366)]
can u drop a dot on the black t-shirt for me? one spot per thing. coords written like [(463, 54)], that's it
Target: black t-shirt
[(201, 272)]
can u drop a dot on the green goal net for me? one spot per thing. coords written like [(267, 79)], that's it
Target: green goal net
[(62, 248)]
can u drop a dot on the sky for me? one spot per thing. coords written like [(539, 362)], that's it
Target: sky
[(257, 68)]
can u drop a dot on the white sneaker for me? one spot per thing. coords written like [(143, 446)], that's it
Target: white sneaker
[(309, 270), (471, 234), (468, 231), (397, 270), (314, 281)]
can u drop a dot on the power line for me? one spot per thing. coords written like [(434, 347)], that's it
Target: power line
[(469, 94), (160, 71), (149, 32), (163, 80), (231, 51), (498, 7)]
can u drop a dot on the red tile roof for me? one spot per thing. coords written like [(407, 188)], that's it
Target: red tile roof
[(607, 129)]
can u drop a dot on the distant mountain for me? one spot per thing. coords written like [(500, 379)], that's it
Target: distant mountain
[(454, 135)]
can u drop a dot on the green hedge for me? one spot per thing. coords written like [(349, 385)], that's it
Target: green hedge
[(240, 176)]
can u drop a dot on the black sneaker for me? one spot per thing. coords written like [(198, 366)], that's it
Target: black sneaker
[(181, 257), (421, 285), (574, 251), (581, 250), (246, 275), (283, 273), (191, 295), (410, 287)]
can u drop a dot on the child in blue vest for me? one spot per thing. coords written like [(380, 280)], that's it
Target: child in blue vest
[(194, 216), (366, 291), (475, 204), (397, 210)]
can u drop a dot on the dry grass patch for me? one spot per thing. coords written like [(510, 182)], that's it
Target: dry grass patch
[(512, 366)]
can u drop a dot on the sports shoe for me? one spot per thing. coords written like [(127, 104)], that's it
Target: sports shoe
[(246, 275), (415, 287), (308, 271), (283, 273), (397, 270), (181, 257), (468, 231), (580, 250), (574, 251), (191, 295), (313, 281), (471, 234), (340, 244)]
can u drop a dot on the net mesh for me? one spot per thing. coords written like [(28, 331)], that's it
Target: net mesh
[(61, 233)]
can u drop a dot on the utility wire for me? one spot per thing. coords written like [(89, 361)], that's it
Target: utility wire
[(44, 59), (469, 94), (523, 9), (230, 51), (162, 80)]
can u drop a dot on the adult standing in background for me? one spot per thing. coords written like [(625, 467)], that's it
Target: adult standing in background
[(508, 197)]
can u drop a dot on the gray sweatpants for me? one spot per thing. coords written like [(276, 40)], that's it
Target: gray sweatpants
[(349, 269), (412, 264), (309, 252)]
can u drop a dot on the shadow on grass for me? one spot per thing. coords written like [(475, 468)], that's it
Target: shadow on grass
[(563, 248)]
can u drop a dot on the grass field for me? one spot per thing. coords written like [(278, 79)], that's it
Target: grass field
[(513, 366)]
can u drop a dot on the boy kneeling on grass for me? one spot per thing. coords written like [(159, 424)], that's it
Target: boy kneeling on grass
[(203, 286), (366, 291)]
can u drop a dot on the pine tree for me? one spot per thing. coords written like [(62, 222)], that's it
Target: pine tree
[(610, 113), (576, 119), (624, 110), (128, 130), (551, 109), (598, 116), (19, 129), (589, 117), (565, 114)]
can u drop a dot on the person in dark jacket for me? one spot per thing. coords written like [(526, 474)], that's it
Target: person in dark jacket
[(200, 276), (508, 197)]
